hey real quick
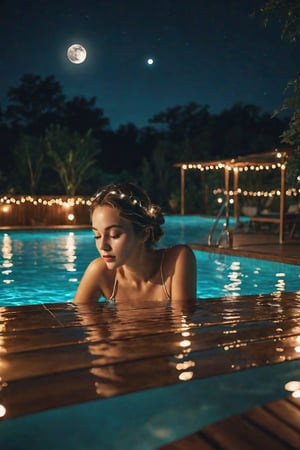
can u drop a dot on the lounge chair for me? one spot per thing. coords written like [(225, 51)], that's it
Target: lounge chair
[(291, 218)]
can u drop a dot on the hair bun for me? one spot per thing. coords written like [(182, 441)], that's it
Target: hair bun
[(155, 213)]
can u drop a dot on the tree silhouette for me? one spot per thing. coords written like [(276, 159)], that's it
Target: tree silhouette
[(72, 156), (80, 114), (158, 173), (288, 14), (30, 156), (182, 122), (34, 104)]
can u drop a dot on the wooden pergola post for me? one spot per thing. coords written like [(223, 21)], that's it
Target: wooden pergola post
[(282, 203), (236, 195), (182, 189), (227, 175)]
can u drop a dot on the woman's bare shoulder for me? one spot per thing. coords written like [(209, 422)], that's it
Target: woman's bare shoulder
[(181, 271), (180, 250), (96, 281), (97, 264), (97, 267), (179, 255)]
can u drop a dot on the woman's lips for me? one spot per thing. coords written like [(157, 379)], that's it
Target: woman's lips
[(108, 258)]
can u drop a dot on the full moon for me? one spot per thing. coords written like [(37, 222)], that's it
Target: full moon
[(76, 54)]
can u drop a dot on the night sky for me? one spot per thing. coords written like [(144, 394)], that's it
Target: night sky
[(211, 52)]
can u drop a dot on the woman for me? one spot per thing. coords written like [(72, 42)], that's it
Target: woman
[(126, 226)]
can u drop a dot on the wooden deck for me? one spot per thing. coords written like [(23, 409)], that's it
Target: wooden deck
[(275, 426), (260, 245), (57, 356), (292, 221)]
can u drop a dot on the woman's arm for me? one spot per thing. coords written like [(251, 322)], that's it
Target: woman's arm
[(89, 290), (184, 278)]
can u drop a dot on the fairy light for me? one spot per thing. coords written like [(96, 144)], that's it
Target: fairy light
[(2, 410), (9, 206), (71, 201), (233, 165)]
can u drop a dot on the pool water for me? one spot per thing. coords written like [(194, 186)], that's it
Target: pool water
[(46, 266)]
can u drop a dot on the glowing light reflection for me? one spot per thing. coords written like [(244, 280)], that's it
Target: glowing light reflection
[(185, 365), (7, 255), (70, 253), (2, 410), (186, 376), (292, 386), (185, 343), (7, 251)]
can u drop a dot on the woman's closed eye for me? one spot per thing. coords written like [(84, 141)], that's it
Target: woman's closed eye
[(115, 235), (110, 236)]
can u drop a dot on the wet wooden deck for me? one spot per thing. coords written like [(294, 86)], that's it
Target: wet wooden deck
[(57, 355), (275, 426), (260, 246)]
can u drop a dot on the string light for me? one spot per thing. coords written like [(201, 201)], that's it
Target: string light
[(231, 166), (60, 201), (292, 192), (65, 209)]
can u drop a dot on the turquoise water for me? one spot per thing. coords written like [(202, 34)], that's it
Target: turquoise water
[(46, 266)]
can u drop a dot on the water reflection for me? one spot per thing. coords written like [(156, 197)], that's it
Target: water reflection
[(7, 256), (70, 253), (7, 251), (136, 346), (3, 351), (280, 282), (118, 348), (293, 387), (2, 410), (130, 352), (236, 279), (186, 366)]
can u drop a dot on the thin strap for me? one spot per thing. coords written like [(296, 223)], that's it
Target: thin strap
[(113, 294), (162, 277), (168, 296)]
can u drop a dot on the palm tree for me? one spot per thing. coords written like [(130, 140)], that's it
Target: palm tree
[(30, 162), (72, 156)]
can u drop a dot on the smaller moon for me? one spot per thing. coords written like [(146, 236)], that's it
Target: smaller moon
[(150, 61), (76, 54)]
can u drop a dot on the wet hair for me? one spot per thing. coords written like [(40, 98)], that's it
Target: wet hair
[(134, 205)]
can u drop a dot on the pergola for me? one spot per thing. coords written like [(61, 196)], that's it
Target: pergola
[(275, 160)]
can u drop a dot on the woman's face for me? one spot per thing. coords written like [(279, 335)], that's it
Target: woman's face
[(116, 240)]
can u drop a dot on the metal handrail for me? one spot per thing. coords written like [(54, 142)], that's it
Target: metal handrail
[(213, 227)]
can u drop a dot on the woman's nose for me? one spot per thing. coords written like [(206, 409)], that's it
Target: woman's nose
[(103, 244)]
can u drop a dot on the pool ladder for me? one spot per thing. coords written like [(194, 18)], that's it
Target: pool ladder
[(225, 233)]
